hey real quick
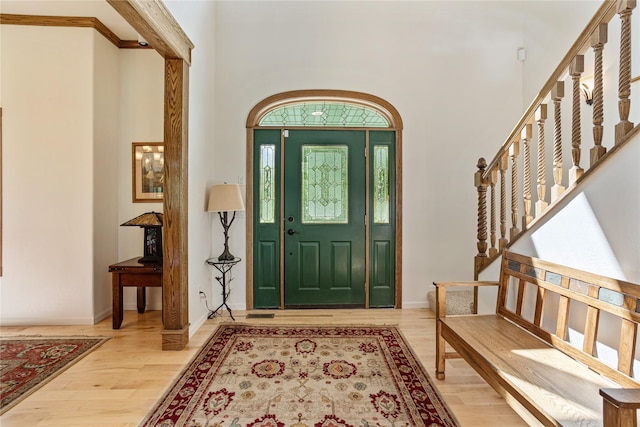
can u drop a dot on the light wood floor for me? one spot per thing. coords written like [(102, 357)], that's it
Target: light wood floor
[(117, 384)]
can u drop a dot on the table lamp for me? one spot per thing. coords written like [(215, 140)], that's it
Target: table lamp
[(224, 198), (152, 224)]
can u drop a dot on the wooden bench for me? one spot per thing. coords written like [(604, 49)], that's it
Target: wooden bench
[(523, 350)]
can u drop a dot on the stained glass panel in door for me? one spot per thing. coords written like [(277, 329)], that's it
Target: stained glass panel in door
[(267, 183), (324, 184)]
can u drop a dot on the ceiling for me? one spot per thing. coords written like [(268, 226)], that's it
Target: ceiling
[(85, 8)]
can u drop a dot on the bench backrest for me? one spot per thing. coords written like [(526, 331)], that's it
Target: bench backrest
[(528, 284)]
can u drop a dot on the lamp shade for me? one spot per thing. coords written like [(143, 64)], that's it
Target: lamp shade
[(149, 219), (224, 198)]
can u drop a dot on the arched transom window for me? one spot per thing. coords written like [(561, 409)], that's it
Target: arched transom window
[(324, 114)]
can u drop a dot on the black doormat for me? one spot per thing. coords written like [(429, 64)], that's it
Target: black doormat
[(260, 316)]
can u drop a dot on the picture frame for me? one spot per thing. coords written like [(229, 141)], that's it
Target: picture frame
[(147, 171)]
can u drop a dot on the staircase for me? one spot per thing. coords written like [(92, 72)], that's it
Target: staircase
[(581, 96)]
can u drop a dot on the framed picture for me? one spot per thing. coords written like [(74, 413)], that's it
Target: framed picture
[(148, 171)]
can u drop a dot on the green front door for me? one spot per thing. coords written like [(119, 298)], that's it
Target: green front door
[(324, 218), (309, 235)]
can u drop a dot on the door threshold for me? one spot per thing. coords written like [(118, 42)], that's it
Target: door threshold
[(260, 315), (322, 306)]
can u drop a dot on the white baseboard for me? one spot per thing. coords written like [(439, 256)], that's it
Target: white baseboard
[(101, 316), (415, 304), (61, 321), (196, 324)]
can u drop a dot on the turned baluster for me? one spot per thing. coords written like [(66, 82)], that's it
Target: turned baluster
[(481, 185), (493, 178), (625, 7), (557, 92), (541, 204), (598, 40), (525, 136), (514, 151), (502, 167), (575, 70)]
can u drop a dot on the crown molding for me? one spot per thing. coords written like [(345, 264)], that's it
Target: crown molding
[(70, 21)]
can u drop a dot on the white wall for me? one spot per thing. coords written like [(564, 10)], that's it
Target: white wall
[(73, 103), (106, 79), (545, 49), (443, 65), (47, 84), (141, 119)]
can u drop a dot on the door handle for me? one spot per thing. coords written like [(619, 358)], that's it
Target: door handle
[(291, 232)]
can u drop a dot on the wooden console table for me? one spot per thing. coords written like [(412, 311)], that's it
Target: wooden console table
[(133, 273)]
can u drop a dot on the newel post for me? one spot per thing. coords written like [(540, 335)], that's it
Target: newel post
[(481, 184), (481, 259)]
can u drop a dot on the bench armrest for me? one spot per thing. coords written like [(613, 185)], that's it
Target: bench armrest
[(619, 406), (622, 397), (441, 293)]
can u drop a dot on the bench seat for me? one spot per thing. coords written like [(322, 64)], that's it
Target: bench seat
[(522, 365), (525, 352)]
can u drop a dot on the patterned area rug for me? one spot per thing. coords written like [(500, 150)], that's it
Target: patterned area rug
[(299, 376), (27, 363)]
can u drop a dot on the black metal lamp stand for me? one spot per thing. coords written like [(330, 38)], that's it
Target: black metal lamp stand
[(226, 255)]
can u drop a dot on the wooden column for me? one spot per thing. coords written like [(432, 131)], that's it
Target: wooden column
[(175, 309), (541, 117), (625, 7), (0, 191), (153, 21), (526, 189), (514, 151), (576, 69), (557, 92), (598, 40)]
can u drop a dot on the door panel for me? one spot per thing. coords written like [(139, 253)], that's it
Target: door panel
[(382, 232), (324, 211), (266, 218)]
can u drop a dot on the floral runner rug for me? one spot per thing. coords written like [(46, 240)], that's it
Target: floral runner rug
[(27, 363), (301, 376)]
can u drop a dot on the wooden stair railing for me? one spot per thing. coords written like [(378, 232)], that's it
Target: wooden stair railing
[(591, 42)]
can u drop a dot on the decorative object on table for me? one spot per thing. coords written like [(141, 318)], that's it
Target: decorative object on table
[(152, 224), (224, 267), (28, 363), (148, 171), (257, 375), (224, 198)]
